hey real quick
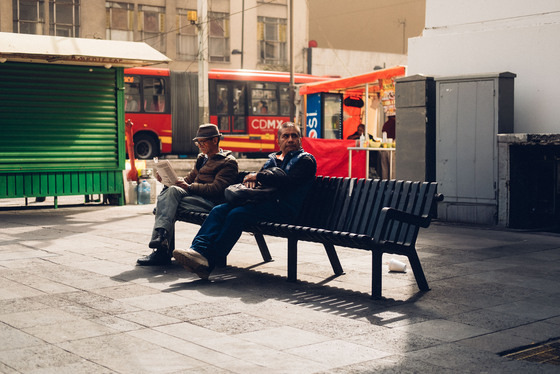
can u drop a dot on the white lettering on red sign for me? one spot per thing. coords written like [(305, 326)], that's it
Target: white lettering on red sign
[(266, 124)]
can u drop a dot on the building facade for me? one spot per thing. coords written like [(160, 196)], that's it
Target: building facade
[(250, 34)]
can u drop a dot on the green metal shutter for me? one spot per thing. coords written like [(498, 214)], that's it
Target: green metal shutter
[(62, 132), (57, 117)]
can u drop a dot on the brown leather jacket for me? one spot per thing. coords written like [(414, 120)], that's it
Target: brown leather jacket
[(210, 176)]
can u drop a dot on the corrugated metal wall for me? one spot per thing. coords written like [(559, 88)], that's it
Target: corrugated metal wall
[(62, 132)]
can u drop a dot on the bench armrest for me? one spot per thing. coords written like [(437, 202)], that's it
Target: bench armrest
[(388, 214)]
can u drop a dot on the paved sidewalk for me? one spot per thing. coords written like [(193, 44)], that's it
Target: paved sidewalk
[(73, 301)]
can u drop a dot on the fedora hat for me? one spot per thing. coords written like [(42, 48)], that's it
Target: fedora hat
[(206, 131)]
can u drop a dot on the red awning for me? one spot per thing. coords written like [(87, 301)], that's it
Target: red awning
[(352, 83)]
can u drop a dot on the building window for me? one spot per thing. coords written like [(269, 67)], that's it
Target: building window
[(119, 21), (272, 40), (29, 16), (64, 17), (151, 22), (218, 37), (187, 36)]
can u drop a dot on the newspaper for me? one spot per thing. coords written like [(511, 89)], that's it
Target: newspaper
[(166, 172)]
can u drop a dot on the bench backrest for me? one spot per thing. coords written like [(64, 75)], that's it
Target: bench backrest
[(350, 205)]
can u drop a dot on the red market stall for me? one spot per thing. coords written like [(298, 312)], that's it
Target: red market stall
[(333, 110)]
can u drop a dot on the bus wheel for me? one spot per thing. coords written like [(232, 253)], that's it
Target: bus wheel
[(145, 146)]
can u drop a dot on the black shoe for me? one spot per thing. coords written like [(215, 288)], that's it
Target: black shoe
[(159, 257), (160, 240)]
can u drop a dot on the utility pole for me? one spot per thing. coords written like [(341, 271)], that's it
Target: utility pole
[(292, 85), (203, 97)]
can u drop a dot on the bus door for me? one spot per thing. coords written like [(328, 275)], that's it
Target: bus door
[(231, 107)]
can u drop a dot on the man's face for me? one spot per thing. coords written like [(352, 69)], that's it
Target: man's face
[(289, 140), (207, 145)]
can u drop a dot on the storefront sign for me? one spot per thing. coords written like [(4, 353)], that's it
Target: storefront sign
[(314, 115)]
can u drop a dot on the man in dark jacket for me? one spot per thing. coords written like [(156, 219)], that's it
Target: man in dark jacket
[(225, 223), (201, 190)]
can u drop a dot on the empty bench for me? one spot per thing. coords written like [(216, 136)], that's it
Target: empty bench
[(381, 216)]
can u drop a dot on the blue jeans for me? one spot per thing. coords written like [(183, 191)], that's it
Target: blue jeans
[(224, 225)]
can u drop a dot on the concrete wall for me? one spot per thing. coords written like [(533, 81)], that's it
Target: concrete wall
[(365, 25), (478, 37), (346, 63)]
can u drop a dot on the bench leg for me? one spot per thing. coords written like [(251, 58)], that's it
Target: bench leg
[(292, 259), (418, 271), (376, 275), (265, 253), (333, 258)]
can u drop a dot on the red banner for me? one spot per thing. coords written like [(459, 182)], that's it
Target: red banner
[(332, 157)]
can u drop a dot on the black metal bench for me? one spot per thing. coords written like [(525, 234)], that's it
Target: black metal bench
[(382, 216)]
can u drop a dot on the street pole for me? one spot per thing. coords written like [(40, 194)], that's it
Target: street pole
[(292, 85), (242, 31), (203, 96)]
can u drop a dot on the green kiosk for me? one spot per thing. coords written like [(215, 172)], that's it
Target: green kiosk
[(62, 114)]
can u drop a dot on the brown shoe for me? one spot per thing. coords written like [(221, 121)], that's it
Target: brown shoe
[(193, 261)]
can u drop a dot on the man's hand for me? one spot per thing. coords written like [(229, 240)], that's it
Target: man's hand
[(158, 177), (181, 183), (250, 180)]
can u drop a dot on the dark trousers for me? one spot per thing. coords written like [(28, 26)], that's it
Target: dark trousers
[(224, 225)]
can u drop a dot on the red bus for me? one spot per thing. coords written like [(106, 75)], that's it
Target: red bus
[(247, 106)]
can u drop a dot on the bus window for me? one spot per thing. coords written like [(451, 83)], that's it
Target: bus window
[(239, 95), (222, 99), (131, 94), (284, 100), (264, 99), (154, 94)]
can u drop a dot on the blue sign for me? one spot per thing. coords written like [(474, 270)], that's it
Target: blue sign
[(314, 115)]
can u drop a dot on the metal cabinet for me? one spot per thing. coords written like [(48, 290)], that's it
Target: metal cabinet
[(415, 128), (470, 112)]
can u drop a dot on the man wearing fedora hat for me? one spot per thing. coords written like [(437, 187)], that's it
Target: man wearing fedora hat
[(201, 190)]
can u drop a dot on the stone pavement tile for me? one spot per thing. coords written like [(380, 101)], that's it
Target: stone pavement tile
[(184, 347), (276, 361), (469, 360), (148, 318), (537, 331), (189, 332), (10, 290), (335, 353), (38, 282), (14, 338), (49, 316), (5, 369), (98, 302), (394, 341), (235, 323), (496, 342), (282, 337), (23, 304), (70, 330), (126, 354), (336, 327), (394, 364), (156, 301), (125, 290), (398, 316), (444, 330), (531, 309), (490, 319), (116, 323), (82, 367), (198, 310), (43, 356), (513, 278)]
